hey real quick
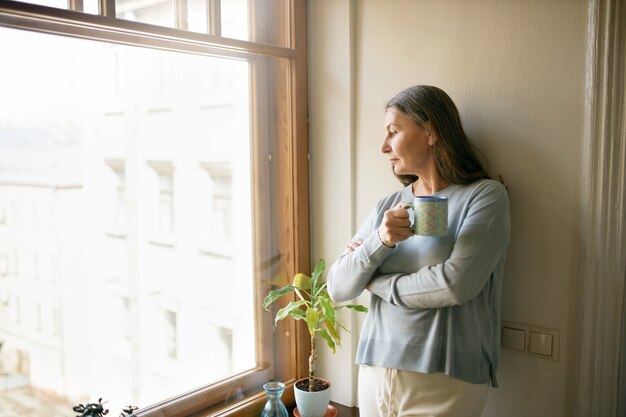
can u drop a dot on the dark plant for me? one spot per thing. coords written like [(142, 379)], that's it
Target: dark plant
[(128, 411), (98, 410), (313, 305)]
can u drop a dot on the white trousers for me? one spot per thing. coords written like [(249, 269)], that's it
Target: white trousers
[(385, 392)]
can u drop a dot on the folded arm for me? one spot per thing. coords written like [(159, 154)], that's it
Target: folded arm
[(350, 274), (480, 245)]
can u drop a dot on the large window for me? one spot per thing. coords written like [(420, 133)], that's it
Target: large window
[(153, 187)]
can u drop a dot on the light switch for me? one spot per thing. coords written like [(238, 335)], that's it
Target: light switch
[(513, 338), (540, 343), (535, 341)]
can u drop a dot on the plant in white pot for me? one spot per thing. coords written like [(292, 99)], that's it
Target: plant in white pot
[(313, 305)]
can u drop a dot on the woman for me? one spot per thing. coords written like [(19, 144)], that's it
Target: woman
[(430, 343)]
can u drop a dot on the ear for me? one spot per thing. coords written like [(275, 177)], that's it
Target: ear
[(430, 133)]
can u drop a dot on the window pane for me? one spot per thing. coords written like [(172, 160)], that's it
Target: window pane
[(87, 6), (59, 4), (235, 19), (197, 16), (262, 21), (155, 12), (91, 6), (125, 180)]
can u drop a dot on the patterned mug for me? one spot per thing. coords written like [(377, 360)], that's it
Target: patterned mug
[(430, 215)]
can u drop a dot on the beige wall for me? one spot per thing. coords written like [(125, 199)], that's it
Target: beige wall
[(516, 70)]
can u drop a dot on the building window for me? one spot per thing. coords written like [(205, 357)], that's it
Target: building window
[(124, 318), (164, 197), (7, 213), (219, 210), (14, 262), (222, 352), (132, 83), (56, 319), (17, 311), (170, 338), (119, 209), (35, 266), (4, 263), (3, 213), (38, 318)]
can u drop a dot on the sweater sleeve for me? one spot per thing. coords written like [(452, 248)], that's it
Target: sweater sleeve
[(352, 271), (480, 245)]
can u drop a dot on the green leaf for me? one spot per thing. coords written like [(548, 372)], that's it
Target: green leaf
[(313, 305), (343, 327), (330, 326), (319, 292), (317, 273), (273, 295), (356, 307), (312, 317), (290, 309), (329, 340), (296, 314), (303, 282), (327, 309)]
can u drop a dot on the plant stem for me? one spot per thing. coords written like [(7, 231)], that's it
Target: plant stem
[(312, 360)]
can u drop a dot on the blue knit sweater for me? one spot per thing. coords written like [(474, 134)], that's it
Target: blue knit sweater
[(435, 302)]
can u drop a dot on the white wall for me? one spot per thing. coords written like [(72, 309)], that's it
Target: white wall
[(516, 70)]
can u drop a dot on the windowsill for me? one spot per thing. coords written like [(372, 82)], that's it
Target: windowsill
[(342, 410), (220, 251), (163, 240), (345, 411), (116, 233)]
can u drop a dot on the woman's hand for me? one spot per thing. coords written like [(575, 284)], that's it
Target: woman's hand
[(396, 225), (353, 244)]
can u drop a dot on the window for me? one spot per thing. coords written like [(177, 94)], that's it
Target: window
[(3, 213), (17, 313), (166, 141), (14, 260), (117, 189), (170, 338), (124, 311), (35, 269), (224, 348), (163, 197), (4, 263), (218, 209)]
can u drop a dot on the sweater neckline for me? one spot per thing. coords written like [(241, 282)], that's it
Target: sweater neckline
[(443, 192)]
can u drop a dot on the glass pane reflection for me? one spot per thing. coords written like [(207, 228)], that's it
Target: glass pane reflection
[(155, 12), (118, 214)]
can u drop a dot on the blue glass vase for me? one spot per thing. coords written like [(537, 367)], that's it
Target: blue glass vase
[(274, 406)]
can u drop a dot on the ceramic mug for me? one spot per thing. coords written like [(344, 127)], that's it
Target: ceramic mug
[(430, 215)]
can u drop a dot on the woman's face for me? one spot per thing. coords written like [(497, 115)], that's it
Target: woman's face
[(408, 146)]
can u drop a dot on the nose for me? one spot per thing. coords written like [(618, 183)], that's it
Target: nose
[(385, 148)]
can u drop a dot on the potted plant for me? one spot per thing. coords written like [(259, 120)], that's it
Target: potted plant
[(313, 305), (98, 410)]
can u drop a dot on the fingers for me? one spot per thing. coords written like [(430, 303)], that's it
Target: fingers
[(396, 225), (397, 217), (353, 244)]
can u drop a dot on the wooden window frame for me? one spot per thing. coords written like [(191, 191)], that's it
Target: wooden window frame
[(286, 352)]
